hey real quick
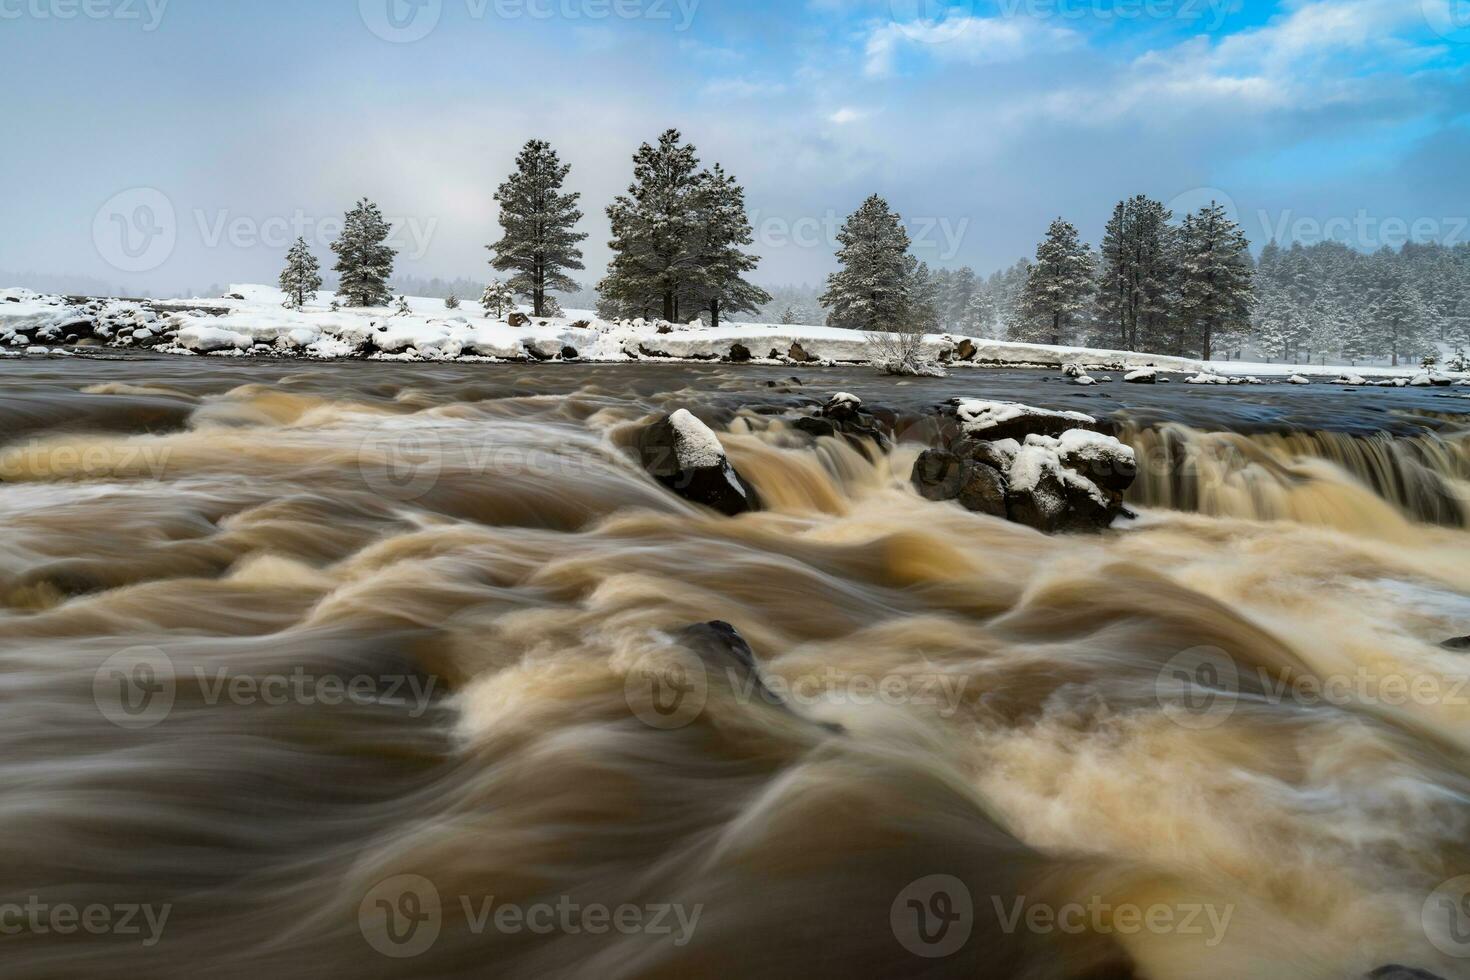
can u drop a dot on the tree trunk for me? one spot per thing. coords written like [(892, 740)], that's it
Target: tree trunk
[(714, 313), (669, 310)]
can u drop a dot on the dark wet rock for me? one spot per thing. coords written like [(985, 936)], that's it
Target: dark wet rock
[(983, 490), (518, 320), (726, 653), (686, 456), (1457, 643), (569, 354), (816, 426), (582, 325), (939, 475), (798, 354), (739, 353), (966, 350), (1396, 972)]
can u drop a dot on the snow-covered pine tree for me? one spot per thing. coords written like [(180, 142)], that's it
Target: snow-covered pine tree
[(724, 227), (1400, 323), (656, 232), (302, 277), (364, 260), (926, 297), (1215, 277), (537, 218), (957, 300), (498, 299), (451, 302), (400, 308), (1056, 290), (1135, 273), (870, 291)]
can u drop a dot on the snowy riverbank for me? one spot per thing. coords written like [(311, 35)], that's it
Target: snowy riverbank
[(251, 321)]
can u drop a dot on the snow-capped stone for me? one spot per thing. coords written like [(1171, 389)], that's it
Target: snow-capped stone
[(1070, 478), (993, 420), (1297, 379), (1352, 379), (1143, 376), (1205, 378), (686, 456), (1084, 380), (1430, 379)]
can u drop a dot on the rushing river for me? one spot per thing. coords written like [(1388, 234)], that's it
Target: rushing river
[(365, 670)]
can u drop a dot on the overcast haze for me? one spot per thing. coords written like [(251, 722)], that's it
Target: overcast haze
[(251, 121)]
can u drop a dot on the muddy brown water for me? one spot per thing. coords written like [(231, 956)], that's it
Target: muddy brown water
[(374, 670)]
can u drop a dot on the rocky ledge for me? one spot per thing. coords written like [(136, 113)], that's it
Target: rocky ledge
[(1052, 471)]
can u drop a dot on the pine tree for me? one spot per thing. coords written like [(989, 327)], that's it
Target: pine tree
[(717, 283), (1135, 274), (1215, 276), (925, 297), (1400, 323), (1056, 289), (499, 299), (451, 302), (364, 260), (656, 231), (959, 297), (870, 292), (537, 219), (301, 278)]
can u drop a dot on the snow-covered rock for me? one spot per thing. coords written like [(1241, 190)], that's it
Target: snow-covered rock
[(1084, 379), (1205, 378), (1352, 379), (1068, 478), (1143, 376), (686, 456), (991, 420), (1297, 379)]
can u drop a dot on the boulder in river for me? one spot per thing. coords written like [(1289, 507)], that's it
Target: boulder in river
[(1457, 643), (1143, 376), (1071, 481), (685, 455), (988, 420), (1396, 972)]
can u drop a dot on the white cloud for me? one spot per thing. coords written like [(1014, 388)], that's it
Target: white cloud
[(967, 40), (845, 115)]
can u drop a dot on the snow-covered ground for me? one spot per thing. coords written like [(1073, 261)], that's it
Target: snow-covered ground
[(252, 320)]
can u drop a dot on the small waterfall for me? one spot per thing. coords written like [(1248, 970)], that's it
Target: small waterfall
[(1308, 476)]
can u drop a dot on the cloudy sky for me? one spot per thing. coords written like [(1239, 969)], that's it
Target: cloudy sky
[(170, 144)]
